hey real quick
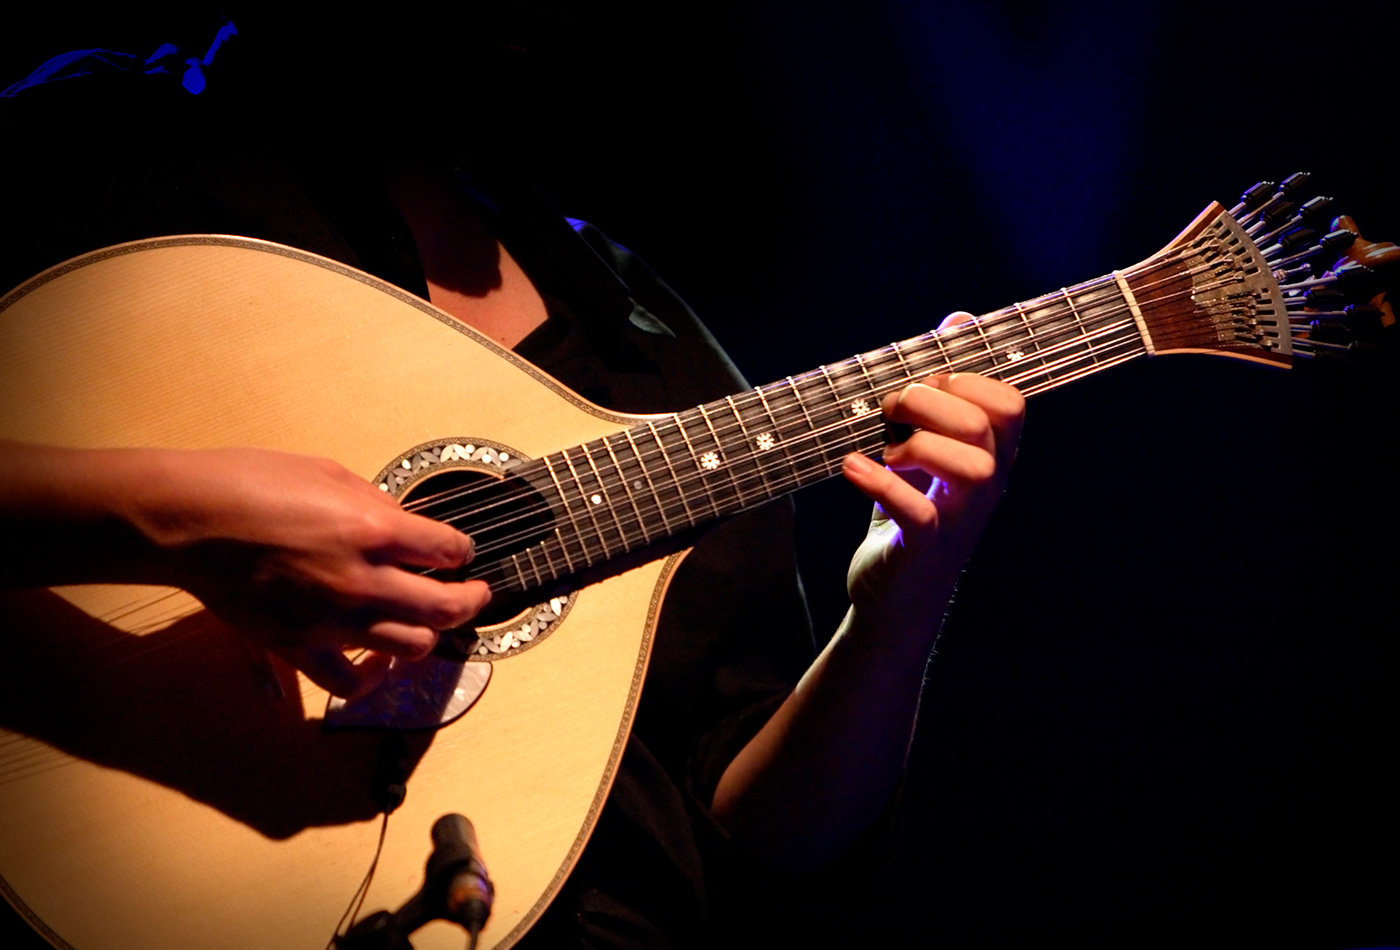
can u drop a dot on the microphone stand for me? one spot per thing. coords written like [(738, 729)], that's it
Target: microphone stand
[(455, 887)]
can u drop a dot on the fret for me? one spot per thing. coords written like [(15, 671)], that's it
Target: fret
[(827, 432), (807, 419), (729, 455), (1062, 364), (857, 407), (852, 413), (884, 371), (953, 346), (943, 356), (515, 563), (674, 481), (589, 498), (564, 500), (602, 497), (840, 413), (1032, 342), (705, 461), (586, 498), (1025, 321), (779, 438), (628, 486), (1050, 326), (1069, 301), (535, 568), (903, 364), (865, 372), (904, 368), (650, 483), (545, 547), (1008, 341), (986, 344), (754, 445), (797, 396)]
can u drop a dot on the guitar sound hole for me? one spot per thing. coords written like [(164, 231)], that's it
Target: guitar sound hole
[(503, 516)]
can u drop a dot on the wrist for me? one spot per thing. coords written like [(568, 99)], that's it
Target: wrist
[(908, 629)]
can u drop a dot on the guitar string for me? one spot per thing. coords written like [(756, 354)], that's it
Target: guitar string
[(861, 431), (944, 344), (976, 347), (1073, 347), (1074, 344), (750, 484), (760, 470)]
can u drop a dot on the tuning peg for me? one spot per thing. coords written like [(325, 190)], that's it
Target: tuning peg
[(1293, 184), (1277, 207), (1254, 196), (1352, 321), (1275, 215), (1356, 352), (1312, 214), (1363, 280), (1315, 211), (1329, 245), (1296, 237), (1324, 298)]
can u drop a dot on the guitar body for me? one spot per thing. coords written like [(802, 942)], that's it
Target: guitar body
[(153, 792)]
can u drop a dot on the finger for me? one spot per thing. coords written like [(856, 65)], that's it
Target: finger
[(927, 406), (956, 318), (330, 669), (904, 503), (410, 598), (410, 641), (1004, 405), (947, 458), (417, 541)]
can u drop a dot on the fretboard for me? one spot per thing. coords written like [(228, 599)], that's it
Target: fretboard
[(649, 483)]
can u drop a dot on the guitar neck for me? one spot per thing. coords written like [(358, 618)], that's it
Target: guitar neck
[(1209, 290), (634, 488)]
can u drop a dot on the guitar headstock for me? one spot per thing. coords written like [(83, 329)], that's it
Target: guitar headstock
[(1333, 280), (1274, 277)]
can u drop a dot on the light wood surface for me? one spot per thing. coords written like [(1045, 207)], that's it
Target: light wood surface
[(151, 795)]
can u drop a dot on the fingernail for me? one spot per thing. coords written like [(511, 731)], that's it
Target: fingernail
[(858, 464)]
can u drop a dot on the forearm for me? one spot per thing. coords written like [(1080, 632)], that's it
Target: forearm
[(824, 767), (297, 553), (76, 516), (817, 775)]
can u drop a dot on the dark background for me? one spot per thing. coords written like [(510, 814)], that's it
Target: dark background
[(1164, 706)]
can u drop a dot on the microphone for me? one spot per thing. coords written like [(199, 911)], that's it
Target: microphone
[(456, 866)]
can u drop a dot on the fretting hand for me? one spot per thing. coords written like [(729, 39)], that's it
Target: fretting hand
[(935, 493)]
